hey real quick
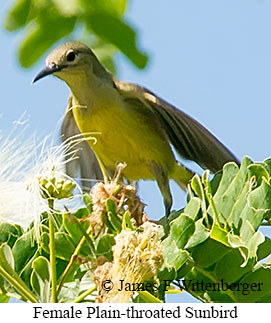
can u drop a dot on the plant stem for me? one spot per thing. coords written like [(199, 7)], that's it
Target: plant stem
[(52, 250), (27, 294), (72, 259), (84, 295)]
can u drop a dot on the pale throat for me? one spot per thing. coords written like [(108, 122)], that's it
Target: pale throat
[(87, 89)]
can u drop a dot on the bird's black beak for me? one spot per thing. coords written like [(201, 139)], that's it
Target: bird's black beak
[(52, 68)]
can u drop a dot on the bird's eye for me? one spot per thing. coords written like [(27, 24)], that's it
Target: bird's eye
[(71, 56)]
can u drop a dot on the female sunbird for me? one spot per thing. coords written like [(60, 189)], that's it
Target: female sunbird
[(131, 125)]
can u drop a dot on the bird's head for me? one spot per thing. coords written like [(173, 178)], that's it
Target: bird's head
[(71, 59)]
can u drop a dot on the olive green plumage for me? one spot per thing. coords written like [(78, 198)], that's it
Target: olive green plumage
[(130, 124)]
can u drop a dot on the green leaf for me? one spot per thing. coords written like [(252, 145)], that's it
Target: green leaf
[(115, 31), (215, 182), (46, 22), (61, 266), (82, 213), (230, 186), (195, 277), (44, 240), (230, 170), (259, 201), (246, 231), (254, 242), (236, 242), (201, 234), (72, 227), (26, 271), (174, 256), (88, 202), (235, 219), (17, 17), (166, 273), (185, 268), (265, 299), (197, 187), (113, 217), (208, 253), (6, 257), (104, 245), (260, 281), (114, 7), (259, 171), (231, 249), (23, 250), (49, 28), (78, 229), (126, 221), (229, 268), (111, 206), (267, 165), (64, 245), (264, 249), (7, 271), (115, 221), (181, 229), (192, 208), (67, 8), (9, 233), (40, 278), (219, 234)]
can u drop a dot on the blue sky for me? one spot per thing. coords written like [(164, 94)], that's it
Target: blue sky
[(210, 58)]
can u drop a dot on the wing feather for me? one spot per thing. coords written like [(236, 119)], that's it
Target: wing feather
[(190, 139)]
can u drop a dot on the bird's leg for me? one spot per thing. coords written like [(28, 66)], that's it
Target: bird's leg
[(163, 184)]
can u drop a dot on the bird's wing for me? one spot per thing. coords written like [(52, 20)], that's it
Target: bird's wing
[(190, 139), (84, 162)]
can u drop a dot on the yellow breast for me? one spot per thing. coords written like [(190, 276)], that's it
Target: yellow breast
[(124, 133)]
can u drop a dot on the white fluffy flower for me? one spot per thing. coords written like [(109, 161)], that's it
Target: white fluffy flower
[(22, 163)]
